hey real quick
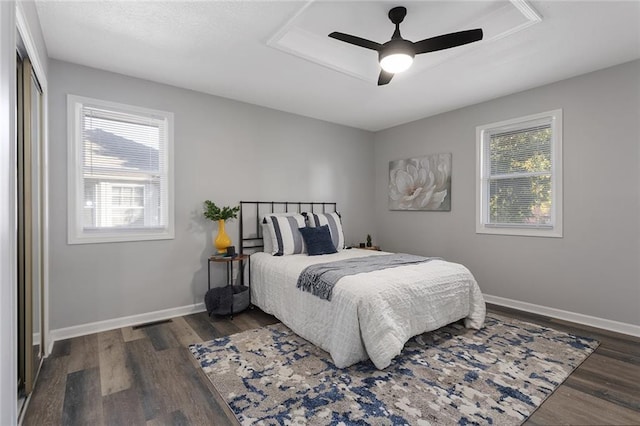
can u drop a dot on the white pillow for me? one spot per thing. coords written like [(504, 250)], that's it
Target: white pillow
[(335, 226), (284, 235), (267, 246)]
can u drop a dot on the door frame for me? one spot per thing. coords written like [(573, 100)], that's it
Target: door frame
[(8, 258), (35, 56)]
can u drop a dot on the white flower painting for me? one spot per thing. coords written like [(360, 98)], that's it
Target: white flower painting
[(422, 183)]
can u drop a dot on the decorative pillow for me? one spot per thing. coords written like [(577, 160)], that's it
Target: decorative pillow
[(318, 240), (267, 245), (284, 233), (334, 222)]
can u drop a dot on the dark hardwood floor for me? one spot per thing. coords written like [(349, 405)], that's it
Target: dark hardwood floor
[(146, 376)]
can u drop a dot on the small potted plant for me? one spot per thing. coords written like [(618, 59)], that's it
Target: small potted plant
[(215, 213), (368, 240)]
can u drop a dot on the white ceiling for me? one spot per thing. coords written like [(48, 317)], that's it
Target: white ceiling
[(276, 53)]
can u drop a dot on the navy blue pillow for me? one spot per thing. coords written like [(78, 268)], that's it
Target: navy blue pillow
[(318, 240)]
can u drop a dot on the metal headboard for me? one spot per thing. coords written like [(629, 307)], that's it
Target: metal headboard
[(250, 231)]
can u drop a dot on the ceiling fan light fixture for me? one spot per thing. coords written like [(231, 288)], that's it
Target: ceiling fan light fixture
[(396, 62), (397, 54)]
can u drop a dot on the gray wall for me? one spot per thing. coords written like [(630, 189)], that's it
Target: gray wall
[(225, 151), (594, 269), (266, 154)]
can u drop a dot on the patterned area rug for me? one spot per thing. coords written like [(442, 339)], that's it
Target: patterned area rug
[(498, 375)]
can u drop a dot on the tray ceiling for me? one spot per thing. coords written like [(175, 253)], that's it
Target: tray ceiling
[(277, 53)]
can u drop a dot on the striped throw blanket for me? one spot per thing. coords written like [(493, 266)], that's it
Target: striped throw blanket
[(320, 279)]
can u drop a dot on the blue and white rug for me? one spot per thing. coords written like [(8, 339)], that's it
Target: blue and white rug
[(498, 375)]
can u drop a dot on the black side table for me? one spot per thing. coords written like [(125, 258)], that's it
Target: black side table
[(229, 261)]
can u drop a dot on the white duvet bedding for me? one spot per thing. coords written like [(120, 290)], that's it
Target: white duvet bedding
[(370, 315)]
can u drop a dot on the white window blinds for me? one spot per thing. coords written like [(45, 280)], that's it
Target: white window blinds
[(123, 176), (519, 179)]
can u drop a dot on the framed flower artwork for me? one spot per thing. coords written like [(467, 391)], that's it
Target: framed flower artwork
[(422, 183)]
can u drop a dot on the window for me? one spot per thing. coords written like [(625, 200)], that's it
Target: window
[(120, 172), (519, 176)]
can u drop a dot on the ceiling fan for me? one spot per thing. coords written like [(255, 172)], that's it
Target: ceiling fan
[(397, 54)]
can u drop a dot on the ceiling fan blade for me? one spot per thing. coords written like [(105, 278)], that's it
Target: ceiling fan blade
[(447, 41), (347, 38), (384, 78)]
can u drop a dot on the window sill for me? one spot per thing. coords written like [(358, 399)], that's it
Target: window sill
[(522, 232), (117, 238)]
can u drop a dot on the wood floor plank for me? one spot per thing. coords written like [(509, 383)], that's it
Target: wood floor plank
[(198, 403), (619, 355), (183, 332), (201, 324), (84, 353), (245, 321), (140, 359), (613, 371), (570, 406), (45, 407), (129, 334), (175, 418), (123, 408), (167, 387), (161, 337), (608, 379), (114, 374), (82, 398), (61, 348), (225, 326)]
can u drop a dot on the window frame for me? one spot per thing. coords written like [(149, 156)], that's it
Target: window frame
[(483, 136), (76, 234)]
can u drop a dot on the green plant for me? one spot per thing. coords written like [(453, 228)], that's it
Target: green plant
[(213, 212), (368, 240)]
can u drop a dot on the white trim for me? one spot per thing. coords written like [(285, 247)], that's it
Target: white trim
[(603, 323), (530, 14), (482, 227), (75, 233), (30, 46), (8, 252), (44, 169), (99, 326), (527, 10)]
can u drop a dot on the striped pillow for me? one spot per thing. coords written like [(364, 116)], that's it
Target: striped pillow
[(335, 226), (284, 234)]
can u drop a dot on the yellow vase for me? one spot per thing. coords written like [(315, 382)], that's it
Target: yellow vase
[(222, 240)]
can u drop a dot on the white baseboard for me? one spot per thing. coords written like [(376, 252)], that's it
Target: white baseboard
[(618, 327), (96, 327)]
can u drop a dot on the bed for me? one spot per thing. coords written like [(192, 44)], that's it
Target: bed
[(370, 315)]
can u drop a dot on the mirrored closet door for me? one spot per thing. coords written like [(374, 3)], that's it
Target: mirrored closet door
[(29, 235)]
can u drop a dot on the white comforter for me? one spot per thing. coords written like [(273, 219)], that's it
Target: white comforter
[(370, 315)]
